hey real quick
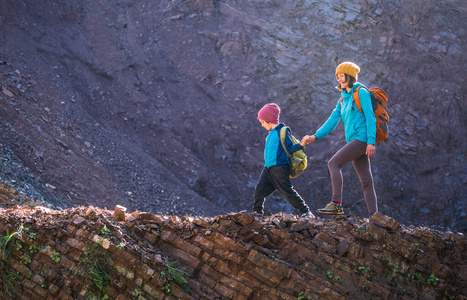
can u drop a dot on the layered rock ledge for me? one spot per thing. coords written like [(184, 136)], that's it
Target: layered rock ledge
[(93, 253)]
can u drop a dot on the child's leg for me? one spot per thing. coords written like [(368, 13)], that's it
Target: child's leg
[(351, 151), (264, 188), (280, 178), (363, 168)]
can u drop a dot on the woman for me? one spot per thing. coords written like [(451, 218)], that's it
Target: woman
[(360, 133)]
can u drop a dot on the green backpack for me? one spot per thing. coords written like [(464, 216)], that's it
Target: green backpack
[(298, 161)]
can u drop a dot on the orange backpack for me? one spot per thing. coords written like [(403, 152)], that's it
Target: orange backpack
[(379, 102)]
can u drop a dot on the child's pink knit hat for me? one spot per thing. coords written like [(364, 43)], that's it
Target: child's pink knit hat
[(270, 113)]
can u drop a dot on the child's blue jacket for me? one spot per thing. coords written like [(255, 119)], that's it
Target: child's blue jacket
[(357, 125), (274, 154)]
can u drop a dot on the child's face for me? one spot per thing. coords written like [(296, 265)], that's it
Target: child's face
[(266, 125)]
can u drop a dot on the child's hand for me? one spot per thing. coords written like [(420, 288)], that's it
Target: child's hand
[(307, 139)]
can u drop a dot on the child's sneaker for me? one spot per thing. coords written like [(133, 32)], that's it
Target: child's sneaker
[(308, 215), (332, 209)]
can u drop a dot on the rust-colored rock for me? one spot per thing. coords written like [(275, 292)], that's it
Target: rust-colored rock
[(119, 213), (385, 222)]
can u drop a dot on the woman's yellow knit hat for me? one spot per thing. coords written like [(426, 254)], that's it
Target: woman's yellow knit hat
[(348, 68)]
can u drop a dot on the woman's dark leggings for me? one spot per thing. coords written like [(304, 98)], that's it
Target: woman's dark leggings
[(354, 151)]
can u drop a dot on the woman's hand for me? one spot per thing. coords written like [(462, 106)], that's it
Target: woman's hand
[(307, 139), (370, 150)]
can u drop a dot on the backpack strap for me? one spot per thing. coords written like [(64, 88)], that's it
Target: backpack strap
[(356, 98), (282, 136)]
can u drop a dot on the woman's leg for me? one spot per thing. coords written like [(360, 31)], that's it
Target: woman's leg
[(362, 166), (353, 150)]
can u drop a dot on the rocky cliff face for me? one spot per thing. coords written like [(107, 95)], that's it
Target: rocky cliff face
[(152, 104), (92, 253)]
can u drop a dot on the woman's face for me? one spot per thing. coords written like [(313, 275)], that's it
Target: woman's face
[(341, 80)]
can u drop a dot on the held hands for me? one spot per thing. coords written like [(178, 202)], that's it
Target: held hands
[(307, 139), (370, 150)]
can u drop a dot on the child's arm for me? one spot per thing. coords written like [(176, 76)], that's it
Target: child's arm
[(291, 147)]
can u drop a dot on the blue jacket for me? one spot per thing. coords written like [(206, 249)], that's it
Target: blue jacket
[(357, 125), (274, 154)]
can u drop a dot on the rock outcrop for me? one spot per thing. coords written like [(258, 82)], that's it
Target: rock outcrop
[(93, 253), (152, 104)]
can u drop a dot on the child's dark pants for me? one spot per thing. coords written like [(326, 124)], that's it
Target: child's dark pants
[(277, 178)]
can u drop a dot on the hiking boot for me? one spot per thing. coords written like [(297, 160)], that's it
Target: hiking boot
[(257, 214), (308, 215), (332, 209)]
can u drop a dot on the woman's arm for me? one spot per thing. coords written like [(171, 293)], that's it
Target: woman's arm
[(330, 123), (326, 128)]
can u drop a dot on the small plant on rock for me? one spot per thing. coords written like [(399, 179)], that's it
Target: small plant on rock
[(9, 282), (419, 249), (18, 246), (56, 256), (166, 288), (105, 230), (4, 240), (95, 269), (365, 269), (174, 274), (305, 295), (432, 280), (98, 275), (25, 260), (34, 248)]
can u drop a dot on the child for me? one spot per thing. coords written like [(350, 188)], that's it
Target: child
[(275, 175)]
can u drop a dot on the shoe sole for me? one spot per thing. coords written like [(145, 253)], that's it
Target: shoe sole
[(330, 213)]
